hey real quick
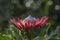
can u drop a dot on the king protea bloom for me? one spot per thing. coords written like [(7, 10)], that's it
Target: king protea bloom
[(28, 22)]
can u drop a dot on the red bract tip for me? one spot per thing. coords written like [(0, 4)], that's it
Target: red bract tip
[(17, 24), (19, 21), (34, 23), (13, 21), (27, 25), (43, 20)]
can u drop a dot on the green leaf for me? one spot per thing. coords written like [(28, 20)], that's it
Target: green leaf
[(4, 37), (48, 27), (55, 37), (15, 30), (9, 31), (33, 32), (41, 38)]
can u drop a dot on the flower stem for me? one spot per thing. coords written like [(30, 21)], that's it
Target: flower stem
[(27, 35)]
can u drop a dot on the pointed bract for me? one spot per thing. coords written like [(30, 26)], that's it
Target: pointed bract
[(34, 23), (43, 20), (17, 24), (27, 25), (20, 21)]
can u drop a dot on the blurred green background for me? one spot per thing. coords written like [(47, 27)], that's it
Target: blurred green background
[(36, 8)]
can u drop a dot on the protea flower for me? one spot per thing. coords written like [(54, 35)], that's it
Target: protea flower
[(29, 21)]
